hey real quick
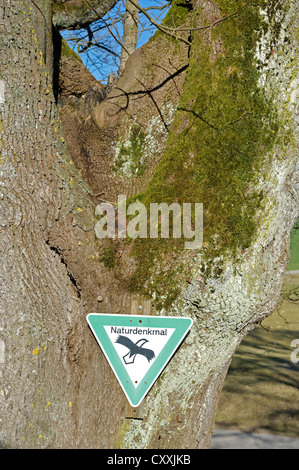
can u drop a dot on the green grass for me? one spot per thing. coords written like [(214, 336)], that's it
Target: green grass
[(261, 393), (294, 261)]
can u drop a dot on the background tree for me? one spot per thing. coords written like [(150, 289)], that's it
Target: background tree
[(113, 36), (130, 32), (213, 119)]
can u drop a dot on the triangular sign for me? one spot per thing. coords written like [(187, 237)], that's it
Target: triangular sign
[(138, 347)]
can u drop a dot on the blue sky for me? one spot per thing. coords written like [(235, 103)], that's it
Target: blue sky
[(94, 59)]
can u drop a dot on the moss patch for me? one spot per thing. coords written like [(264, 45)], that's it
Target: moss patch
[(67, 51), (178, 13), (224, 130), (108, 257), (63, 7)]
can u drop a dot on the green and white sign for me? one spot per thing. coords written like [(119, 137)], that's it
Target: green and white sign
[(138, 347)]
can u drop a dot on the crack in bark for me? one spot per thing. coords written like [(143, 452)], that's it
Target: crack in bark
[(71, 277)]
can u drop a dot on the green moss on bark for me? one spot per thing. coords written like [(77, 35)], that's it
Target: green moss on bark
[(67, 51), (224, 131), (108, 257), (178, 13), (64, 7)]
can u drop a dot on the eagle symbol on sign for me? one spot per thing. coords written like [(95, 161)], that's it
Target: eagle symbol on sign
[(134, 349)]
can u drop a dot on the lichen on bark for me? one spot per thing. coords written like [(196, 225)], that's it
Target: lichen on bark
[(223, 133), (50, 277), (226, 304)]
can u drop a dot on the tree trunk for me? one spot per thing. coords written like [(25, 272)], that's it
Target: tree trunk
[(130, 32), (234, 142), (46, 233)]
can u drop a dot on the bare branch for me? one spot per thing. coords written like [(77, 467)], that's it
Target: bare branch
[(171, 31), (159, 26), (109, 29), (148, 91)]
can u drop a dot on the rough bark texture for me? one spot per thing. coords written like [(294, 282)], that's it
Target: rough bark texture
[(130, 31), (97, 134), (76, 14), (57, 390), (46, 234)]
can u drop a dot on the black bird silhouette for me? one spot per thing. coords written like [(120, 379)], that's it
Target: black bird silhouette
[(135, 348)]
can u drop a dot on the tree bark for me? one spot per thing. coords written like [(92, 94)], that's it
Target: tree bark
[(76, 14), (130, 32), (57, 390), (46, 234)]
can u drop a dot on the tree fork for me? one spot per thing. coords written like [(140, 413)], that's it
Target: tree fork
[(58, 391)]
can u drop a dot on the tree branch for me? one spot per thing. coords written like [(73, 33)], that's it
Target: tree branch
[(170, 31), (159, 26)]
